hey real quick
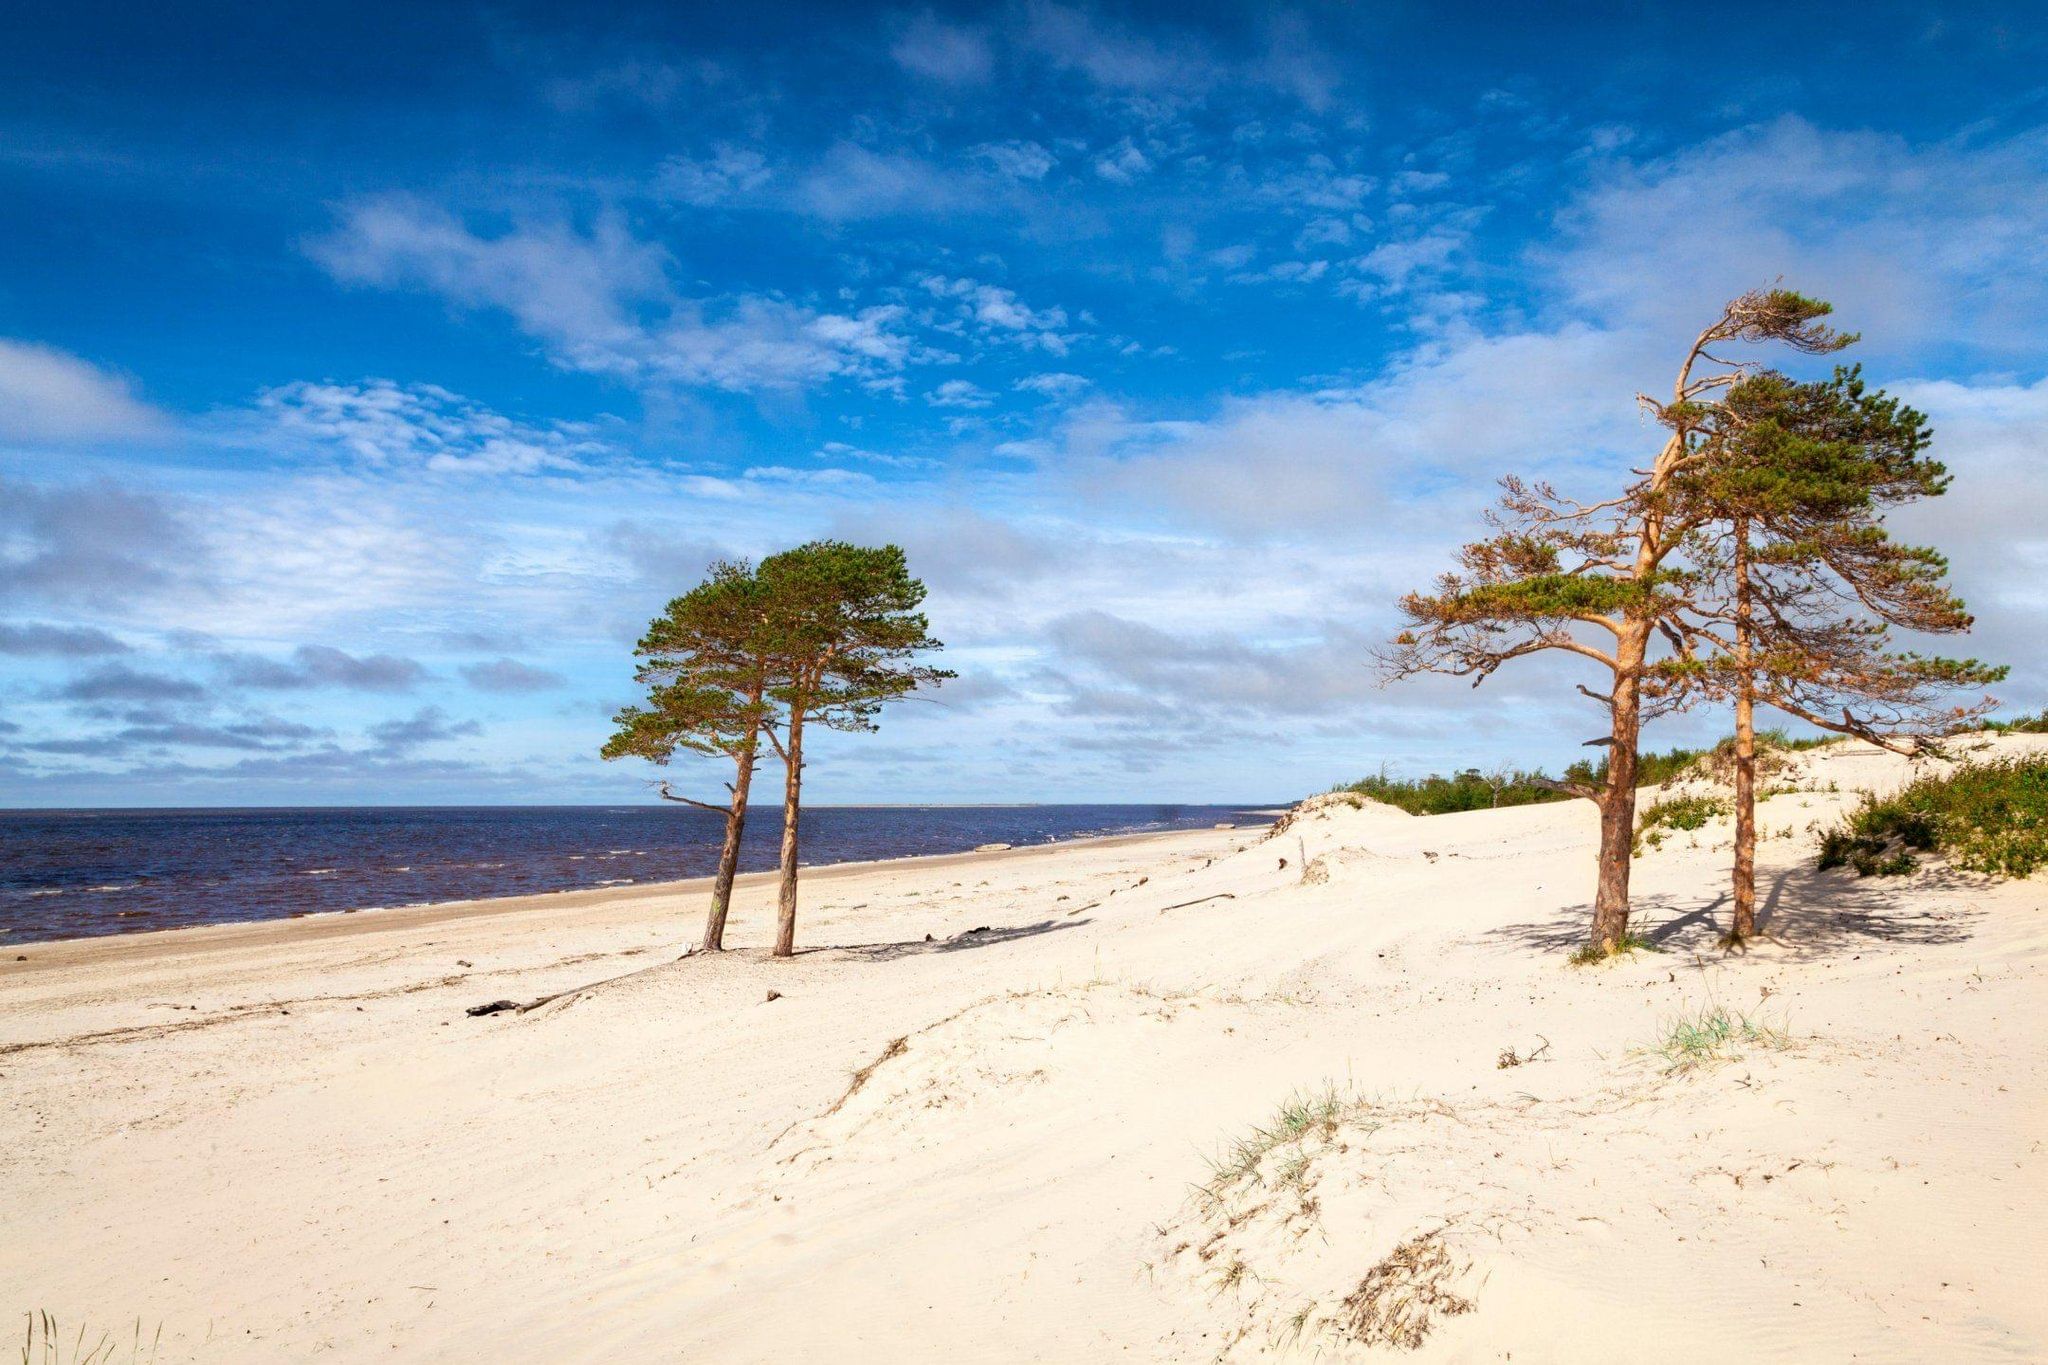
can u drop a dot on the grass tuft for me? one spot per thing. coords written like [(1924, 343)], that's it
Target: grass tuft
[(1301, 1116), (44, 1343), (1713, 1034), (1591, 955)]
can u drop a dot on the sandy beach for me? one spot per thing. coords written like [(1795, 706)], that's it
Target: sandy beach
[(991, 1115)]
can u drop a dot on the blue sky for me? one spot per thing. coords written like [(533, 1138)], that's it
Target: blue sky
[(369, 375)]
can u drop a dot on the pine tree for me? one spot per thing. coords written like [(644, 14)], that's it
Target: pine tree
[(844, 631), (1556, 571), (707, 669), (1798, 585)]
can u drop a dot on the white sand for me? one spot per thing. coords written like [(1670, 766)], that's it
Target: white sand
[(287, 1141)]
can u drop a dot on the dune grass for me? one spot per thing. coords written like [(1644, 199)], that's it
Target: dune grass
[(1590, 955), (1301, 1115), (1990, 817), (44, 1342), (1713, 1034)]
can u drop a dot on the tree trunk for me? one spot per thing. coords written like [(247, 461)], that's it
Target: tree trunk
[(729, 854), (792, 806), (1618, 801), (1744, 927)]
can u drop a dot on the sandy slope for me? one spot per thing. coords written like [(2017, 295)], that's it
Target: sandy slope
[(288, 1142)]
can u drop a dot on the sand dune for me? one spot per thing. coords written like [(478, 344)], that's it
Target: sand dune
[(1008, 1108)]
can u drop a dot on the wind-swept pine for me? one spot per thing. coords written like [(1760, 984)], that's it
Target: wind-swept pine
[(1798, 584), (707, 670), (1594, 581), (845, 632)]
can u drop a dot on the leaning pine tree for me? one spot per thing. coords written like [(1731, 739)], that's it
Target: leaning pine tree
[(1595, 581), (1798, 583), (705, 665), (845, 632)]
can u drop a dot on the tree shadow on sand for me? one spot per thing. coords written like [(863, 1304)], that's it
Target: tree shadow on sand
[(984, 937), (1803, 911)]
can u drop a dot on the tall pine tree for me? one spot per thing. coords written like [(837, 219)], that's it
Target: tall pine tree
[(707, 666), (1798, 585), (844, 634), (1596, 581)]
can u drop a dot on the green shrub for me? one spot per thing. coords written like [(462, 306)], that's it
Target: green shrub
[(2018, 725), (1676, 813), (1991, 817)]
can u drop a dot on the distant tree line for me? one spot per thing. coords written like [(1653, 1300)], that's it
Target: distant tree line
[(1492, 788)]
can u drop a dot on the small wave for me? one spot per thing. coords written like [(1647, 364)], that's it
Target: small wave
[(115, 886), (318, 871), (45, 891), (614, 881)]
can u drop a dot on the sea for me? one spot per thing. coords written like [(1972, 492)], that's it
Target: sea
[(81, 873)]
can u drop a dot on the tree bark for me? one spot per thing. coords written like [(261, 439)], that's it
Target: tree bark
[(1618, 802), (1744, 927), (729, 853), (792, 806)]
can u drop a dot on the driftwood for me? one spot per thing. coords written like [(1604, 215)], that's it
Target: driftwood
[(1219, 896), (563, 997)]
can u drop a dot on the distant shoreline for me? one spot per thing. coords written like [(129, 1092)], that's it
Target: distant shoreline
[(324, 924)]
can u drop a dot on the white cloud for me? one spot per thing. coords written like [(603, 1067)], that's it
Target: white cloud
[(578, 292), (1913, 243), (1056, 385), (730, 173), (852, 182), (601, 301), (959, 393), (382, 425), (1122, 164), (1433, 430), (1114, 57), (1399, 265), (1022, 160), (1994, 439), (930, 47), (766, 343), (1284, 272), (1316, 184), (1000, 311), (1418, 182), (49, 395)]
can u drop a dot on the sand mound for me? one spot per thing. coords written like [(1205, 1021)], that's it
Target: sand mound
[(1332, 806), (948, 1079)]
